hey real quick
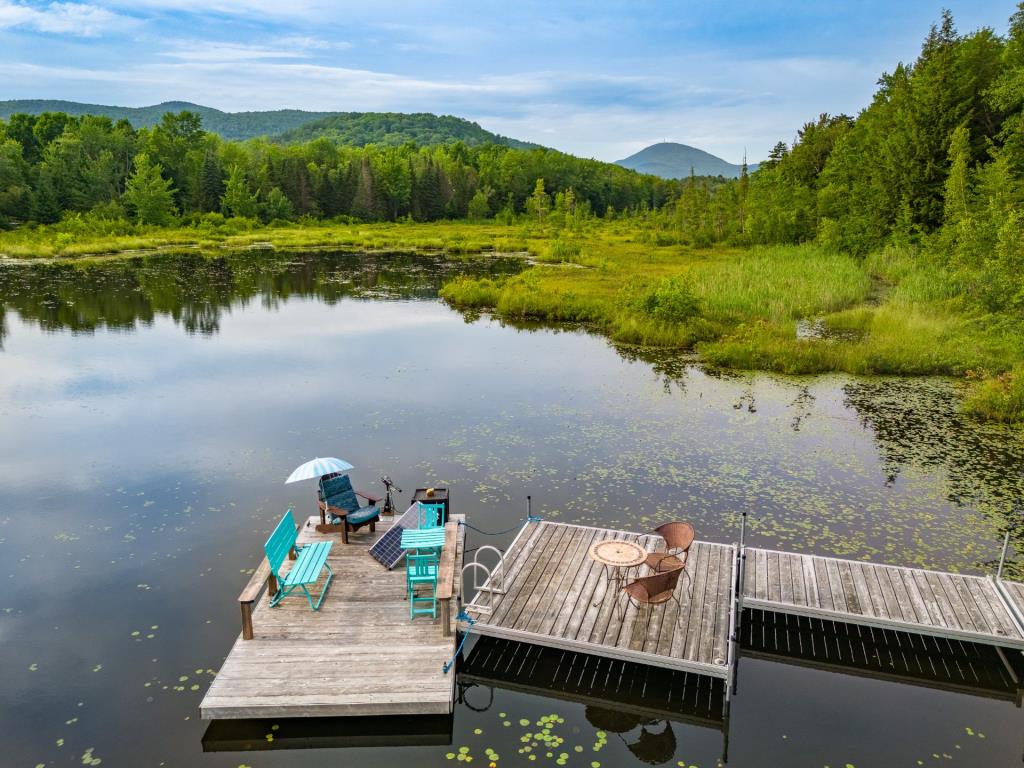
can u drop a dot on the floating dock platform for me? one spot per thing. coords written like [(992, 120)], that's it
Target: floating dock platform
[(945, 605), (555, 595), (358, 655), (548, 592)]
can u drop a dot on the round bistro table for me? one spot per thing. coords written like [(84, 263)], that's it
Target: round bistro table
[(617, 557)]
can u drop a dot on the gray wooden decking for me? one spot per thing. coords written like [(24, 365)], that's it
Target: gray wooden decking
[(556, 596), (1013, 592), (358, 655), (909, 599)]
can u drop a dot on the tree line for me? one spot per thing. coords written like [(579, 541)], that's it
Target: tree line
[(936, 161), (54, 164)]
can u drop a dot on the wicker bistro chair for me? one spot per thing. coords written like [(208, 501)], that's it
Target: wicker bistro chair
[(653, 590), (678, 538)]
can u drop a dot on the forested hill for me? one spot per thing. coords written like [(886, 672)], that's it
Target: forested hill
[(395, 128), (676, 161), (288, 125), (230, 125)]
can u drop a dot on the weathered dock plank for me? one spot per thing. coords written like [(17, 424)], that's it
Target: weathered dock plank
[(558, 598), (358, 655), (945, 605)]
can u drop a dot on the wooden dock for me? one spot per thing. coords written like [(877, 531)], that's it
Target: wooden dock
[(556, 596), (947, 605), (548, 592), (361, 656), (358, 655)]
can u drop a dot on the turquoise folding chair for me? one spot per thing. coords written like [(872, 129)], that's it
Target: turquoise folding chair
[(430, 515), (421, 572)]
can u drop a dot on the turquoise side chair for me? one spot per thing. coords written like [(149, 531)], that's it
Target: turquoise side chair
[(430, 515), (421, 572)]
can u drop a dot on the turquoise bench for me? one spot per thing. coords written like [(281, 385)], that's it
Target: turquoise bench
[(310, 562)]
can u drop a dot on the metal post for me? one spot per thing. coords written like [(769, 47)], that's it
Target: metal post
[(1002, 557), (742, 570), (529, 507)]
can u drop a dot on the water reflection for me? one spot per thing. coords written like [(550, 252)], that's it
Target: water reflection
[(146, 464), (917, 423), (197, 290)]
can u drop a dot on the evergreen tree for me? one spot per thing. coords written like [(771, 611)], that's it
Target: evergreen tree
[(428, 199), (15, 190), (480, 204), (539, 204), (957, 192), (148, 194), (211, 183), (366, 203), (277, 206), (238, 200)]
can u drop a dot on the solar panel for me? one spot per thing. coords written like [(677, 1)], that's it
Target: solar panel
[(388, 549)]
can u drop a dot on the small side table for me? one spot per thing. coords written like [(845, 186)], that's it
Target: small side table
[(617, 557), (440, 497)]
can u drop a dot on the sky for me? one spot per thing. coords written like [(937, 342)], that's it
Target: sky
[(598, 79)]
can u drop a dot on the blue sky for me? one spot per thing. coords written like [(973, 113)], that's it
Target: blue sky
[(593, 78)]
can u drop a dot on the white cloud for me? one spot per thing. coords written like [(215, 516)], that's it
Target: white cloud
[(214, 52), (313, 43), (720, 104), (79, 19)]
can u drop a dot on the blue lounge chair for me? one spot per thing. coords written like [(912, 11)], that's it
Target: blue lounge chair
[(311, 560), (338, 498)]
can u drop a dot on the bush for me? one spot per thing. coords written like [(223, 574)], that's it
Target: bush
[(469, 293), (997, 398), (561, 249), (670, 300)]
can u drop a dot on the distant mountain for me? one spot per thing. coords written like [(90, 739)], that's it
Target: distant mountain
[(230, 125), (393, 128), (674, 161), (288, 125)]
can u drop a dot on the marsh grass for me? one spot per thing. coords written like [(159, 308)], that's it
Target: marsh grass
[(998, 398)]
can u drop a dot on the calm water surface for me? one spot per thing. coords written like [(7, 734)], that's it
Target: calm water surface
[(150, 411)]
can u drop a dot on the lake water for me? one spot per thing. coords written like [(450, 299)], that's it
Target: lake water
[(151, 409)]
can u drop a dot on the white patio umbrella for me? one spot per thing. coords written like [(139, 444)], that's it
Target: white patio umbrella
[(318, 468)]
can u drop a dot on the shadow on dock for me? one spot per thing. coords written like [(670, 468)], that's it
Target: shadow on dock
[(632, 692), (328, 733), (943, 664)]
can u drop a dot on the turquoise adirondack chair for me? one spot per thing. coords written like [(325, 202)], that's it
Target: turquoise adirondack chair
[(311, 560), (421, 572), (430, 515)]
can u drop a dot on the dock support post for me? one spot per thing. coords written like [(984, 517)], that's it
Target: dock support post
[(246, 620), (737, 607), (1002, 557)]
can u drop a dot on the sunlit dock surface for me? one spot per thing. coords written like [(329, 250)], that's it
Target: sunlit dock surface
[(359, 655), (549, 592), (555, 595), (946, 605)]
